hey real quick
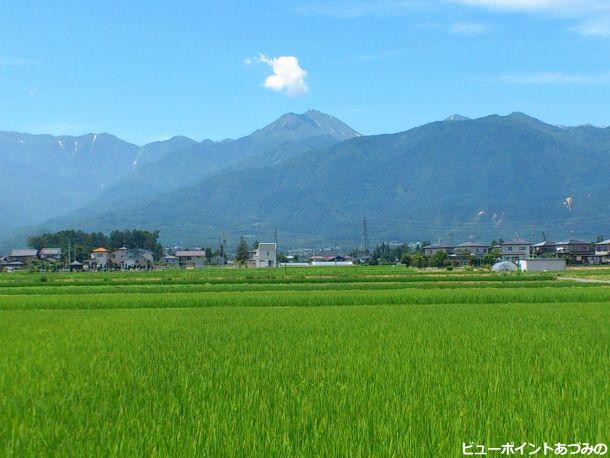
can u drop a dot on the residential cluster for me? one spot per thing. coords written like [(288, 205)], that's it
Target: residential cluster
[(263, 256), (573, 251), (528, 255)]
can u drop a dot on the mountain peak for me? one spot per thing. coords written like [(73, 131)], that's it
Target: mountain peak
[(457, 117), (312, 123)]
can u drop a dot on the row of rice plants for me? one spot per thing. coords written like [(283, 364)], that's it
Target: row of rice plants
[(208, 287), (34, 280), (308, 298)]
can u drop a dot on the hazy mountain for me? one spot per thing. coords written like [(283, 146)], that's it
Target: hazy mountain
[(190, 161), (489, 177), (46, 176)]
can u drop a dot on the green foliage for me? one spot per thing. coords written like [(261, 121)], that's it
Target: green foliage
[(440, 259), (241, 252)]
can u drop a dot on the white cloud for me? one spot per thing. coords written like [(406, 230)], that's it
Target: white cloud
[(32, 91), (288, 76), (588, 17), (554, 78), (595, 28), (592, 17), (469, 28)]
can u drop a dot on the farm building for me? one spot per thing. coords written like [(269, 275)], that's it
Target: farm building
[(191, 258), (542, 264)]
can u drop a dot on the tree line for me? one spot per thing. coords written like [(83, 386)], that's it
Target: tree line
[(80, 244)]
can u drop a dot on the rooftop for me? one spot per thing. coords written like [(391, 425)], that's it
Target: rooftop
[(50, 251), (191, 253), (573, 242), (545, 243), (516, 241), (471, 244), (24, 252)]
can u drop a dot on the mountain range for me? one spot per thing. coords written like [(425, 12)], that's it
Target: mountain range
[(314, 179)]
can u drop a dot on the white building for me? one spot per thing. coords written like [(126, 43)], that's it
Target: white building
[(100, 257), (515, 249), (542, 264), (264, 256), (603, 249)]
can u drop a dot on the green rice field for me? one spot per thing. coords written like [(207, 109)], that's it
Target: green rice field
[(362, 361)]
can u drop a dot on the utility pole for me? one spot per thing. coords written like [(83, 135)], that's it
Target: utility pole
[(335, 253), (275, 241), (451, 238), (365, 236)]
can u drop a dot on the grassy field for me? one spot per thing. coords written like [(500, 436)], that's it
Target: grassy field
[(337, 362)]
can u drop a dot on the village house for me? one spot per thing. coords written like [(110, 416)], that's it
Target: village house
[(7, 265), (170, 260), (546, 248), (50, 254), (515, 249), (100, 259), (131, 258), (25, 256), (431, 250), (577, 251), (602, 249), (471, 249), (191, 259), (264, 256)]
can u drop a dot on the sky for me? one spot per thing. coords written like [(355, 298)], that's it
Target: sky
[(148, 70)]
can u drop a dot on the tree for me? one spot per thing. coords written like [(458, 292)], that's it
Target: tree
[(241, 252), (406, 259), (440, 259), (419, 260)]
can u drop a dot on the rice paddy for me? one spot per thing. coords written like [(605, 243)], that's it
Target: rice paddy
[(368, 361)]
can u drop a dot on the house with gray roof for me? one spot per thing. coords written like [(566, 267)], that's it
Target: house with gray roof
[(515, 249), (546, 248), (577, 251), (431, 250), (24, 255), (50, 254), (471, 249), (191, 259)]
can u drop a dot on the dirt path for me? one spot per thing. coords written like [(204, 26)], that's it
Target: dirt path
[(584, 280)]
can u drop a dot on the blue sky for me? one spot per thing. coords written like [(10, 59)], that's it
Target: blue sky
[(145, 70)]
